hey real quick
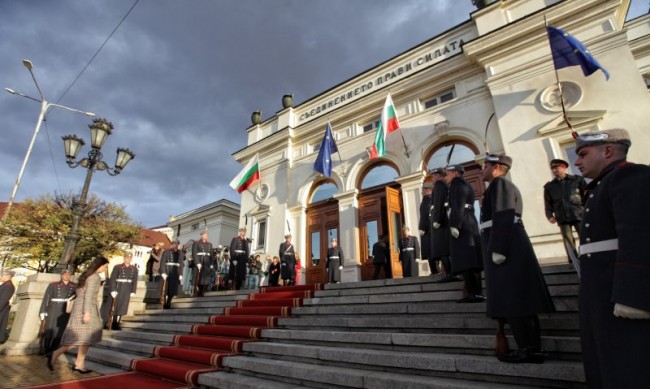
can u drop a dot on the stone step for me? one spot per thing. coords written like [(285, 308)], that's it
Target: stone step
[(170, 328), (326, 376), (168, 318), (143, 350), (141, 336), (557, 346), (225, 380), (185, 311), (108, 357)]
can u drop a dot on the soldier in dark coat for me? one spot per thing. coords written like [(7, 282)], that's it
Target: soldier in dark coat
[(409, 252), (563, 202), (123, 284), (424, 225), (202, 255), (440, 236), (614, 298), (465, 247), (381, 257), (334, 262), (53, 310), (287, 261), (516, 288), (239, 253), (171, 264), (7, 290)]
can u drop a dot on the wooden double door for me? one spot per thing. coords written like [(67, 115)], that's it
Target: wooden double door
[(322, 226)]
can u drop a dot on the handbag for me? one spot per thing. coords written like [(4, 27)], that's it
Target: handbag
[(68, 305)]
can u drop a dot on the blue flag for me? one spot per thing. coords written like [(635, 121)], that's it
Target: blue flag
[(569, 51), (323, 163)]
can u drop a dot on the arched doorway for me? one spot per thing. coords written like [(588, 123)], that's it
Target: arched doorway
[(380, 213), (322, 225), (465, 154)]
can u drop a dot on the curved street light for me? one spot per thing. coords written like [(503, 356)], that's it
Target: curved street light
[(45, 106), (100, 129)]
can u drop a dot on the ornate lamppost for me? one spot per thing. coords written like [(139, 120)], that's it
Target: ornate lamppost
[(100, 129)]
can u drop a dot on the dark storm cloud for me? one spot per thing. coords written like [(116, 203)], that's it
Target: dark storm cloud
[(179, 80)]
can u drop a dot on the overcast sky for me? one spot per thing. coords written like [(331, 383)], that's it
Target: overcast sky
[(179, 80)]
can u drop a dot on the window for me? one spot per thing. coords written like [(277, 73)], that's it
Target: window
[(440, 98), (380, 174), (371, 126), (195, 227), (261, 233), (570, 151), (324, 191), (461, 154)]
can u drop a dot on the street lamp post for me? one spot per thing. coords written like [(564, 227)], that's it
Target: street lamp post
[(45, 106), (100, 129)]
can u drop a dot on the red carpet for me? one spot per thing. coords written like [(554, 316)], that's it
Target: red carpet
[(113, 381), (204, 349)]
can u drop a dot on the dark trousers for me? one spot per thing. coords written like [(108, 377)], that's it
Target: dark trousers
[(567, 235), (378, 267), (472, 280), (433, 265), (526, 331)]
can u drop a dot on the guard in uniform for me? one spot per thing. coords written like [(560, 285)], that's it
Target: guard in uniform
[(516, 289), (202, 255), (239, 253), (424, 225), (288, 261), (334, 262), (465, 247), (123, 284), (440, 236), (409, 251), (614, 298), (7, 290), (53, 310), (171, 264)]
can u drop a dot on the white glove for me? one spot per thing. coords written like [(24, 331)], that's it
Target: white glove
[(454, 232), (625, 312), (498, 258), (132, 294), (164, 276), (180, 278), (436, 225), (42, 315), (234, 263), (199, 266), (421, 232), (341, 267), (114, 294), (211, 267)]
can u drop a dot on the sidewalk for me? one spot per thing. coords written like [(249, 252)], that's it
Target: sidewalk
[(29, 370)]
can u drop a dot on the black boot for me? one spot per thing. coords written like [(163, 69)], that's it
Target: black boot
[(523, 355)]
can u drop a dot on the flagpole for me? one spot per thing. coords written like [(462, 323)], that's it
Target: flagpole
[(574, 134), (485, 141)]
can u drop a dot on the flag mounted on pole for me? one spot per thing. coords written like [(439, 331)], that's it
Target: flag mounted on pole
[(323, 162), (387, 124), (569, 51), (246, 177)]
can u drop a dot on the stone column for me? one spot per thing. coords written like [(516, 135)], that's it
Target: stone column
[(411, 199), (349, 234)]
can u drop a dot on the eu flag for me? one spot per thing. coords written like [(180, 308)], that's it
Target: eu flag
[(569, 51), (323, 163)]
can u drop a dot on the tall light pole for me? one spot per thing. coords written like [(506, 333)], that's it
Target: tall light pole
[(45, 106), (100, 129)]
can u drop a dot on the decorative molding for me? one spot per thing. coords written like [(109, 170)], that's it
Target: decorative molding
[(580, 120)]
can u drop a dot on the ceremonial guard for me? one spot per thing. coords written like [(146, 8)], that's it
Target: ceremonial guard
[(516, 289), (440, 236), (409, 251), (465, 247), (171, 264), (7, 290), (424, 225), (563, 202), (288, 261), (202, 255), (334, 262), (53, 310), (239, 253), (123, 284), (614, 297)]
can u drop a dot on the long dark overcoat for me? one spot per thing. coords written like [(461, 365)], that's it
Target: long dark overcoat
[(56, 319), (202, 253), (239, 252), (616, 351), (424, 224), (440, 238), (334, 260), (171, 264), (517, 286), (124, 280), (287, 261), (465, 250), (7, 290)]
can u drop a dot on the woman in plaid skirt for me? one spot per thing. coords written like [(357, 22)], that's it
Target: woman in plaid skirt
[(85, 325)]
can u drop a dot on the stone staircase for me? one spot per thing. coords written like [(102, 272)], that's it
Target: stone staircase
[(404, 333)]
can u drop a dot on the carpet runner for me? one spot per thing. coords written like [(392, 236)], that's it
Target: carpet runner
[(203, 350)]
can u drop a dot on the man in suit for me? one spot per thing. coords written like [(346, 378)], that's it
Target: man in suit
[(381, 257)]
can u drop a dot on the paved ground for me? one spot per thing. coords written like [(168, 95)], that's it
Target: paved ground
[(28, 370)]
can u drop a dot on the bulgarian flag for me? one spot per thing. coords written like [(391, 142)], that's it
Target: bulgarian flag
[(246, 177), (387, 124)]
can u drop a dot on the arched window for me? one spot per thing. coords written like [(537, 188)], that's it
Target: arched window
[(325, 190), (462, 154), (377, 175)]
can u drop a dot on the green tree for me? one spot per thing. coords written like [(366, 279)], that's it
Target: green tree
[(34, 233)]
